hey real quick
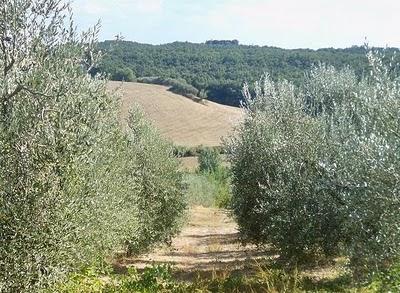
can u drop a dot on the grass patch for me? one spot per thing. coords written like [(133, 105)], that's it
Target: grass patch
[(185, 151), (161, 279), (200, 190), (210, 189)]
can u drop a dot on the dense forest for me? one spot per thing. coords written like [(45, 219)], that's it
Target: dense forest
[(218, 69)]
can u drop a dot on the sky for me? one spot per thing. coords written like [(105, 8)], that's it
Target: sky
[(281, 23)]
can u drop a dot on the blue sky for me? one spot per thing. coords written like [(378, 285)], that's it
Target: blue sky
[(282, 23)]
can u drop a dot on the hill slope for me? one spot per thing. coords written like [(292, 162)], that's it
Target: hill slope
[(179, 119), (220, 70)]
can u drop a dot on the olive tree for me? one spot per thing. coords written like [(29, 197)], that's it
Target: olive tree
[(276, 170), (160, 196), (73, 185), (316, 169)]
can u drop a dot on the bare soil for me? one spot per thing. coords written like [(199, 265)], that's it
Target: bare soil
[(189, 164), (208, 244)]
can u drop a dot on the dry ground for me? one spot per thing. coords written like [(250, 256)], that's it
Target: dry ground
[(207, 244), (209, 241), (181, 120), (189, 164)]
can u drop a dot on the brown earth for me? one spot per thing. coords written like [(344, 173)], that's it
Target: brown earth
[(207, 244), (179, 119), (189, 164)]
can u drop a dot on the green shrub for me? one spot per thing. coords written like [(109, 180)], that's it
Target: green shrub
[(160, 279), (223, 196), (184, 88), (178, 86), (123, 74), (387, 281), (217, 175), (220, 178), (147, 79), (151, 279), (209, 160), (73, 185), (183, 151), (202, 94), (314, 169), (86, 280)]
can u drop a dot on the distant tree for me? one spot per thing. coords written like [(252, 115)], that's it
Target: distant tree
[(123, 74), (178, 86), (203, 94), (223, 42), (227, 93), (221, 69)]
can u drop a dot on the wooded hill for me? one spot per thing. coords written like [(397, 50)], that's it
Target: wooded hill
[(218, 70)]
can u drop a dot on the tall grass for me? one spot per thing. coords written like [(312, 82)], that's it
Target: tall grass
[(210, 185)]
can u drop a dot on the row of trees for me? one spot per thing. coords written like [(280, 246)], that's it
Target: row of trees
[(73, 185), (178, 86), (316, 169), (222, 42), (221, 70)]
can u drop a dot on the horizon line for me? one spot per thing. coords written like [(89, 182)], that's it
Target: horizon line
[(249, 45)]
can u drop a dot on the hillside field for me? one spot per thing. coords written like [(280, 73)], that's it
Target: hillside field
[(179, 119)]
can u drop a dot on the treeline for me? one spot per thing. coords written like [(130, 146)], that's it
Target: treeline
[(219, 71), (178, 86), (223, 42)]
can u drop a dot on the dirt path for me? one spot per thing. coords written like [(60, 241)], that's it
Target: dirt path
[(207, 244)]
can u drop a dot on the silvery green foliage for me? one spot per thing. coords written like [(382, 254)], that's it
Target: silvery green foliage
[(73, 186), (367, 129), (318, 168), (275, 164), (160, 203)]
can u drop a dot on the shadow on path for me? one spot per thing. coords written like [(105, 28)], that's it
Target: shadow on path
[(208, 245)]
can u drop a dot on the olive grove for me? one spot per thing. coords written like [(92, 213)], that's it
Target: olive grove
[(316, 169), (74, 186)]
